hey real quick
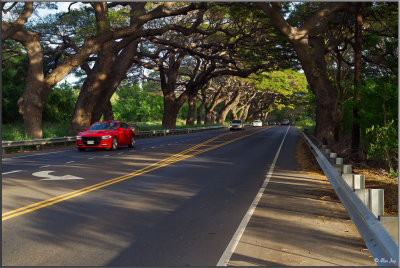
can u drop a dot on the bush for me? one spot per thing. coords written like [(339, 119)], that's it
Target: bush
[(305, 123), (383, 144)]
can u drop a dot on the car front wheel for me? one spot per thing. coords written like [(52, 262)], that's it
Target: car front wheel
[(114, 144), (132, 143)]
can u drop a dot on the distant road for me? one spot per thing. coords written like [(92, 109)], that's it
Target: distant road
[(170, 201)]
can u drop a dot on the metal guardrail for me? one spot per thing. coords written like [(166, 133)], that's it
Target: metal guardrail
[(139, 134), (379, 242)]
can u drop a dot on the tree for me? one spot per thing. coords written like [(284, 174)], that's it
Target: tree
[(38, 84), (310, 50)]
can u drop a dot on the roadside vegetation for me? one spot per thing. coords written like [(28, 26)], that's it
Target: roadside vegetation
[(337, 77)]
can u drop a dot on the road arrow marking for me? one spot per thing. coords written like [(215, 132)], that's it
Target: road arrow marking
[(45, 174)]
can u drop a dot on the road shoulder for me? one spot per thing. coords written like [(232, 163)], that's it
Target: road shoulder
[(299, 222)]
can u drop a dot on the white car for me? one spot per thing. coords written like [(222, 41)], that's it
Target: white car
[(236, 124), (257, 123)]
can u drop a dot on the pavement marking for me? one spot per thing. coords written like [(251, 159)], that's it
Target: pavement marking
[(10, 172), (91, 158), (44, 166), (226, 256), (23, 156), (69, 162), (162, 163), (120, 153), (45, 174)]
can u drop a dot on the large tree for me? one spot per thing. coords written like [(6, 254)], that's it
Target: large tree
[(38, 83), (309, 45)]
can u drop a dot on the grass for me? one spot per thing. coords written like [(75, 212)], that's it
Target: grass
[(305, 123), (16, 131)]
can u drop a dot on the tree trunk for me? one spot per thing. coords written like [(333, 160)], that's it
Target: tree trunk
[(355, 133), (32, 101), (171, 109), (202, 106), (192, 110), (225, 110)]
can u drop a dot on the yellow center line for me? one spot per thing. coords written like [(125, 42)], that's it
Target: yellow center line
[(162, 163)]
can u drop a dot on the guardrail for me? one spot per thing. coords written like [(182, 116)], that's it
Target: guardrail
[(379, 242), (139, 134)]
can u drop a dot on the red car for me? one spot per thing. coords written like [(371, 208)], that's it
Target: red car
[(107, 134)]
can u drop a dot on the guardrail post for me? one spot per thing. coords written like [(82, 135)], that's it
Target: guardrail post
[(359, 181), (373, 199), (347, 169), (327, 152), (376, 201), (332, 158), (339, 165), (38, 147), (355, 181), (21, 149), (349, 179)]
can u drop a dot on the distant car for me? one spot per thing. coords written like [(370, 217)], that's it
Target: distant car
[(285, 122), (271, 123), (236, 124), (107, 134), (257, 123)]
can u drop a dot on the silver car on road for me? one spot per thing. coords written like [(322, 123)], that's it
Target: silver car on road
[(236, 124)]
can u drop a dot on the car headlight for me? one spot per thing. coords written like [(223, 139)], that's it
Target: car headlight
[(78, 137), (105, 137)]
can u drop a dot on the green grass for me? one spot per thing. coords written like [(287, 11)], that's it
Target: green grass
[(305, 123), (16, 131)]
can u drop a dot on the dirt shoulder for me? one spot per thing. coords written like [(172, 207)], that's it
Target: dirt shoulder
[(374, 178)]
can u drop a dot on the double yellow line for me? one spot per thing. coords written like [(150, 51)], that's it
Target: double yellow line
[(165, 162)]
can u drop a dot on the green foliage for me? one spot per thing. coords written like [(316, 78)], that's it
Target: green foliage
[(133, 103), (384, 143), (305, 122), (14, 70), (16, 131), (60, 104), (285, 82)]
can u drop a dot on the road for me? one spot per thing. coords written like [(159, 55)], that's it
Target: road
[(170, 201)]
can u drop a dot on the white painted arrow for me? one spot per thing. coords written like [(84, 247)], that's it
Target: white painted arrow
[(45, 174)]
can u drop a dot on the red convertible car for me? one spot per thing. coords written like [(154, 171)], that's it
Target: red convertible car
[(107, 134)]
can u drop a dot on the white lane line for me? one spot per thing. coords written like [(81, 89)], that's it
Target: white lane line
[(106, 155), (69, 162), (120, 153), (44, 166), (226, 256), (14, 171), (91, 158), (29, 155)]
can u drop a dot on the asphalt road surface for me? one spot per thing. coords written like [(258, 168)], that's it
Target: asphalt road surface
[(170, 201)]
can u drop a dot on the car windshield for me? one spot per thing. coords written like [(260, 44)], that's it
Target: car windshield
[(103, 126), (236, 121)]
